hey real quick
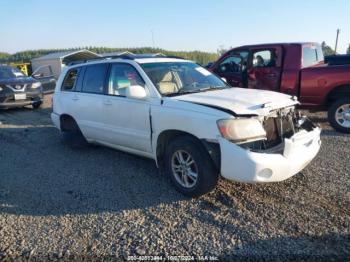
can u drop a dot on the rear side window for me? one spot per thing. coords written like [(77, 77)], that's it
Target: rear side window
[(264, 58), (70, 80), (312, 55), (94, 78)]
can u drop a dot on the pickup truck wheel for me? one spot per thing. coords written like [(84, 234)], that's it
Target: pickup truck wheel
[(189, 166), (339, 115)]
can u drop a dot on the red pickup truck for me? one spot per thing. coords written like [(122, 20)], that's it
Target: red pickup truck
[(297, 69)]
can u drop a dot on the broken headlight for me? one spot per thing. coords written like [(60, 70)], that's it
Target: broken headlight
[(241, 130)]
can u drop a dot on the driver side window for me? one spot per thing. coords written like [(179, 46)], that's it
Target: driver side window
[(122, 76), (234, 63), (231, 64)]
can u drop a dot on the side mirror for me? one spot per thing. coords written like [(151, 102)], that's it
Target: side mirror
[(136, 92), (37, 75), (224, 79)]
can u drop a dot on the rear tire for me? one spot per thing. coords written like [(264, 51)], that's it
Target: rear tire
[(339, 115), (73, 137), (196, 175)]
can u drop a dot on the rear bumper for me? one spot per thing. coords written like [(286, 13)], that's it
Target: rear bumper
[(239, 164), (56, 120)]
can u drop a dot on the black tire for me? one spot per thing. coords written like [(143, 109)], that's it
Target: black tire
[(207, 177), (73, 137), (332, 115), (37, 105)]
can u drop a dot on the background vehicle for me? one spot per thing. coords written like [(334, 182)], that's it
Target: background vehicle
[(17, 90), (45, 76), (297, 69), (185, 118)]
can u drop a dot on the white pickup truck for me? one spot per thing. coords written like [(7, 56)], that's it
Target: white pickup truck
[(187, 119)]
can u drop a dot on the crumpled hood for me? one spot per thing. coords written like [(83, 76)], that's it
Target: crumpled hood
[(241, 101)]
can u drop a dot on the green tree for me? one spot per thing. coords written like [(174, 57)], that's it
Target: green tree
[(4, 57), (327, 50), (26, 56)]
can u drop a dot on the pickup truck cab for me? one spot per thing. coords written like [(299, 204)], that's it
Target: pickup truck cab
[(297, 69), (184, 117)]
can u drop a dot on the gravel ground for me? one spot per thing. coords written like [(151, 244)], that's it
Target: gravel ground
[(56, 202)]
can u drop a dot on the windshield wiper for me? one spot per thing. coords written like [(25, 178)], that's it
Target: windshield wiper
[(184, 91)]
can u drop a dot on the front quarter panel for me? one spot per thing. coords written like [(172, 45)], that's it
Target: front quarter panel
[(197, 120)]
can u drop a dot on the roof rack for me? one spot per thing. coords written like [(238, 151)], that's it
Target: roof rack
[(123, 56)]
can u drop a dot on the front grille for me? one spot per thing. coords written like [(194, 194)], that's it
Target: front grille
[(17, 87), (278, 126), (277, 129), (272, 136)]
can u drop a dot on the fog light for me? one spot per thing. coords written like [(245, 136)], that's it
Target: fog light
[(265, 173)]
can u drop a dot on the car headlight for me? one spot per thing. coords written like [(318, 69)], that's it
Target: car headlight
[(1, 88), (36, 85), (241, 130)]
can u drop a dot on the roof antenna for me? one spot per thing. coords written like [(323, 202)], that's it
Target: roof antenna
[(336, 42)]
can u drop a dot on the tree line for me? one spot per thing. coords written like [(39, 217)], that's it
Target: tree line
[(198, 56), (26, 56)]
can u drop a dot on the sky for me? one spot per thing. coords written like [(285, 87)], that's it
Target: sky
[(204, 25)]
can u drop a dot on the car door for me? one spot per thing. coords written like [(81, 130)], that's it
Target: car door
[(45, 75), (264, 68), (232, 67), (87, 102), (126, 120), (68, 96)]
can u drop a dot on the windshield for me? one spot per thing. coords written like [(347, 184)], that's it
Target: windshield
[(10, 72), (175, 78)]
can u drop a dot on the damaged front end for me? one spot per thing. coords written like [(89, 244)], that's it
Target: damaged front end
[(288, 142), (279, 125)]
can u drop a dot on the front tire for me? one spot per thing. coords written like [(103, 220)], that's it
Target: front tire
[(339, 115), (37, 105), (190, 167)]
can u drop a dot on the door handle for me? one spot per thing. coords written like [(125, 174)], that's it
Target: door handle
[(107, 102), (75, 98)]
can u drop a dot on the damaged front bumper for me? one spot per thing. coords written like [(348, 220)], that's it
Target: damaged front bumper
[(240, 164)]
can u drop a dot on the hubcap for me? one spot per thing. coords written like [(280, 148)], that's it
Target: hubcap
[(342, 115), (184, 168)]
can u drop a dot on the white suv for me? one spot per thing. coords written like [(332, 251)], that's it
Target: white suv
[(185, 118)]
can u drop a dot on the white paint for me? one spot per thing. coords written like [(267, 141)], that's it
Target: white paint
[(124, 123)]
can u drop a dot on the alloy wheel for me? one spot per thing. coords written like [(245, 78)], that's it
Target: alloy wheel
[(184, 168)]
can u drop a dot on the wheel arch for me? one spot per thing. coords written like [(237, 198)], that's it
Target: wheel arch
[(212, 148), (68, 123), (336, 93)]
